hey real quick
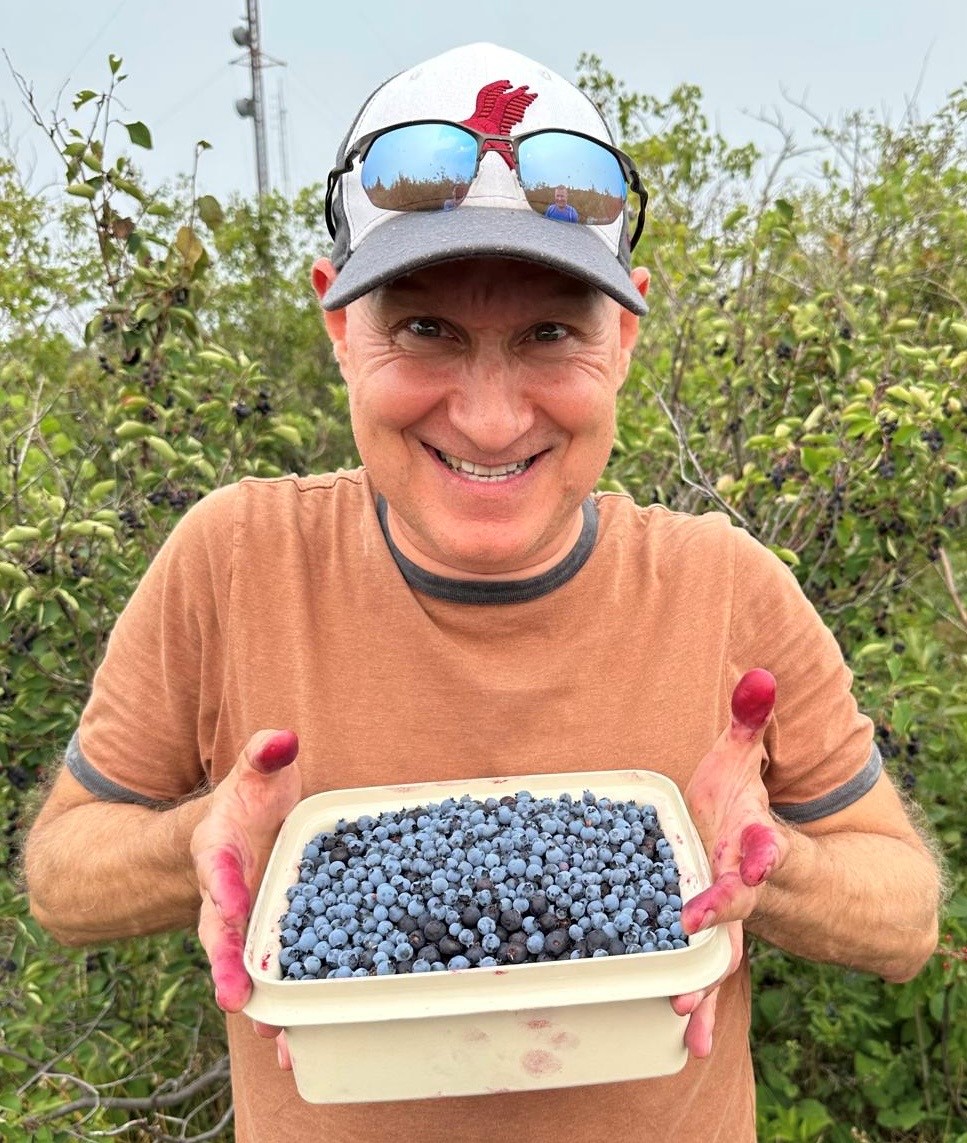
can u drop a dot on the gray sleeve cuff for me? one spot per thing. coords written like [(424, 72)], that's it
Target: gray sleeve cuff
[(799, 812), (103, 788)]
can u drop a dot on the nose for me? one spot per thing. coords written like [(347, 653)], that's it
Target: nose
[(491, 408)]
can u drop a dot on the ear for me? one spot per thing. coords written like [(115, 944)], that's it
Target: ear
[(629, 321), (323, 276)]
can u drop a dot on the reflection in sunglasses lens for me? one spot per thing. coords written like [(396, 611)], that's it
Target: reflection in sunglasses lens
[(425, 166), (571, 179), (429, 166)]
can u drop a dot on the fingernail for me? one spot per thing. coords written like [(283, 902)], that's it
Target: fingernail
[(278, 752), (278, 1054)]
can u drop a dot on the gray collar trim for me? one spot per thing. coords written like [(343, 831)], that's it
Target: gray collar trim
[(498, 591)]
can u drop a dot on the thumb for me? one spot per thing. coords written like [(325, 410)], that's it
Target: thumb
[(753, 701), (269, 751)]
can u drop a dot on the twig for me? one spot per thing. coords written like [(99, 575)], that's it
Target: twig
[(217, 1073), (705, 487), (44, 1069), (947, 575)]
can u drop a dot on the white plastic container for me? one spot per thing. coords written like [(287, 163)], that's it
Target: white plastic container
[(480, 1030)]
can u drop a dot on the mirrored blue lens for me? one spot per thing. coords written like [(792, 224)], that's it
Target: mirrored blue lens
[(571, 179), (422, 166)]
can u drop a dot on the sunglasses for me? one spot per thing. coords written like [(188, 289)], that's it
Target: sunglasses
[(429, 164)]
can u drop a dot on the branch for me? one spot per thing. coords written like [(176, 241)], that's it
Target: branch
[(705, 487), (217, 1073), (947, 575)]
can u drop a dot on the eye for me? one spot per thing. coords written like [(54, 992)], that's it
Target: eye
[(549, 331), (424, 327)]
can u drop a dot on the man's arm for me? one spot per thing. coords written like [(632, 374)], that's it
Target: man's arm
[(859, 888), (98, 871)]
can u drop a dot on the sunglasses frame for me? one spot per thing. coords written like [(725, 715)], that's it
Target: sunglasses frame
[(360, 149)]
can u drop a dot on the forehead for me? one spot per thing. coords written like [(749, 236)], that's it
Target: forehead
[(483, 280)]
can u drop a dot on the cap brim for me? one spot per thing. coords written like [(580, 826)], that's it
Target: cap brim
[(411, 242)]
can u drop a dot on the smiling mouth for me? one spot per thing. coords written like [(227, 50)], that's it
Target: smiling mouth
[(485, 472)]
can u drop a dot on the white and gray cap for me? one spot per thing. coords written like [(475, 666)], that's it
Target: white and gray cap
[(373, 246)]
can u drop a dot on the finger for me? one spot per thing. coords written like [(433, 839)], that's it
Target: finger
[(220, 875), (752, 703), (727, 899), (266, 1031), (221, 924), (687, 1002), (701, 1024), (224, 947), (760, 853), (282, 1052), (269, 751)]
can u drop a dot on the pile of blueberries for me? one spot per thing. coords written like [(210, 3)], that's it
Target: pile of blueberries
[(468, 883)]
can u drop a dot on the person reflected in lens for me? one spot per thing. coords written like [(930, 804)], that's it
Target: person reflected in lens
[(560, 210), (459, 194)]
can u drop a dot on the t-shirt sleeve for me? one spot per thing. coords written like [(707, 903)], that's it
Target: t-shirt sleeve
[(820, 751), (146, 733)]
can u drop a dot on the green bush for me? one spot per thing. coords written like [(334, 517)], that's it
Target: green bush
[(801, 369)]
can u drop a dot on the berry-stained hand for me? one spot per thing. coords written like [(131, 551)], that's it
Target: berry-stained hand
[(231, 847), (730, 806)]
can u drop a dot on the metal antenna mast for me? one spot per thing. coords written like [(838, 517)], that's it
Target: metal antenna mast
[(283, 140), (248, 35)]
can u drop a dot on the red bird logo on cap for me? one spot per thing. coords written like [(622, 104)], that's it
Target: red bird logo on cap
[(498, 109)]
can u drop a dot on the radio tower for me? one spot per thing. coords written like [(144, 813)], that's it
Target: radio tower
[(248, 35)]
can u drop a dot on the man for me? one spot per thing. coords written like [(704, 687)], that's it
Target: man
[(465, 605), (559, 210), (459, 190)]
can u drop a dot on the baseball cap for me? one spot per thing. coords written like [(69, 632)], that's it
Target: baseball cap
[(493, 209)]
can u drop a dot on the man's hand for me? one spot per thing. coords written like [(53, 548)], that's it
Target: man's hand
[(231, 847), (730, 807)]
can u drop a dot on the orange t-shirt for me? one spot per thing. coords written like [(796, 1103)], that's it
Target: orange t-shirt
[(279, 603)]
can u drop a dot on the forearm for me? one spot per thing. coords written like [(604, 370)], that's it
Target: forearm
[(101, 871), (865, 901)]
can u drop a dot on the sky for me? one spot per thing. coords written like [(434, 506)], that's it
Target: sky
[(746, 56)]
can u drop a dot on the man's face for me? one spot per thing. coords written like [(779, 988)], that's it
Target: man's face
[(482, 396), (560, 196)]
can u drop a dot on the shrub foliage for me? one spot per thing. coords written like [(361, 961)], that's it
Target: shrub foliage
[(801, 369)]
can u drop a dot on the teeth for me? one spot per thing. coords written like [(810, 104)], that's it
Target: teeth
[(483, 471)]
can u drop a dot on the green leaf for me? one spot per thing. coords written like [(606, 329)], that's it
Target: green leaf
[(114, 63), (162, 449), (130, 188), (139, 134), (82, 190), (787, 555), (905, 1116), (19, 534), (818, 460), (289, 434), (80, 99), (734, 217), (210, 211), (132, 430)]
